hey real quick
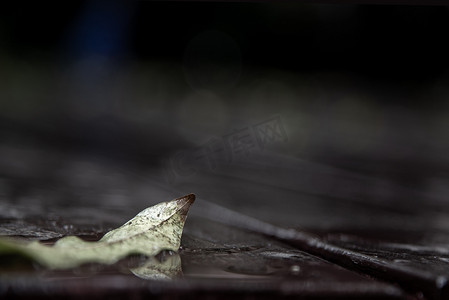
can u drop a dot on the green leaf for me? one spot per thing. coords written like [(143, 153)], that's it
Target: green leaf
[(154, 229)]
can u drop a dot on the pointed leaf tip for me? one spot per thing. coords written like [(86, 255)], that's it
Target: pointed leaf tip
[(185, 202)]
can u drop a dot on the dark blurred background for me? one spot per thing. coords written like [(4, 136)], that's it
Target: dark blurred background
[(105, 102)]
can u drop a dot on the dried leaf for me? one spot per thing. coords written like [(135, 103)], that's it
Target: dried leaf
[(154, 229)]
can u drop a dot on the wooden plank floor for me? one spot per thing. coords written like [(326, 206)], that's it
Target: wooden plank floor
[(250, 233)]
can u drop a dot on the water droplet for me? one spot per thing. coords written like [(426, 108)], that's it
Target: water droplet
[(295, 269)]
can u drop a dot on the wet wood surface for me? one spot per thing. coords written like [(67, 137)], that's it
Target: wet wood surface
[(259, 227)]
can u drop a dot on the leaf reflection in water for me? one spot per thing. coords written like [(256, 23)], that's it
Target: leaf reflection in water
[(167, 268)]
